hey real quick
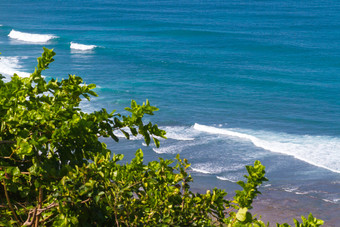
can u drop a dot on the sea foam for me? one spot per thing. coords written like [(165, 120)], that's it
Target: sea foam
[(78, 46), (207, 168), (31, 38), (11, 65), (321, 151), (179, 133), (172, 149), (227, 179)]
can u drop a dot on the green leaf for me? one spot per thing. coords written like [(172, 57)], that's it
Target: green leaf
[(242, 214), (125, 133), (24, 148), (91, 86), (156, 141)]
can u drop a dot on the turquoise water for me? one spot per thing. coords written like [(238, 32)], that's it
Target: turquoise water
[(235, 81)]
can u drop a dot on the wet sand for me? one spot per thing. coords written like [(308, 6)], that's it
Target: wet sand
[(282, 207), (278, 206)]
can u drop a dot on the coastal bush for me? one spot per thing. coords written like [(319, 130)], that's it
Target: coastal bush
[(55, 171)]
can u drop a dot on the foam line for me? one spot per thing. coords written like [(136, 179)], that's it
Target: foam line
[(78, 46), (321, 151), (179, 133), (207, 168), (201, 170), (11, 65), (226, 179), (29, 37)]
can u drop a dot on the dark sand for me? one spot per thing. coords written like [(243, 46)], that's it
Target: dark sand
[(277, 206), (282, 207)]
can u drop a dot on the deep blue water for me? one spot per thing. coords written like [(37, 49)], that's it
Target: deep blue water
[(235, 81)]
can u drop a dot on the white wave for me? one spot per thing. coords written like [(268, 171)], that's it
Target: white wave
[(181, 143), (321, 151), (334, 201), (296, 190), (29, 37), (78, 46), (11, 65), (174, 149), (266, 185), (178, 137), (200, 170), (207, 168), (301, 193), (180, 133), (227, 179), (290, 189), (221, 131)]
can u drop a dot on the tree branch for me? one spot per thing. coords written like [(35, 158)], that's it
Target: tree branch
[(44, 220), (9, 202), (36, 212), (40, 198), (28, 222), (85, 201)]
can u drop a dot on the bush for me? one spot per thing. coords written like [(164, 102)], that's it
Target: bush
[(55, 171)]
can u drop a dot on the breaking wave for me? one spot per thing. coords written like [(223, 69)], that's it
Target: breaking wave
[(207, 168), (321, 151), (78, 46), (31, 38), (11, 65), (179, 133), (233, 180)]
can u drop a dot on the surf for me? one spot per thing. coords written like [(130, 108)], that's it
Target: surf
[(30, 37), (10, 66), (78, 46), (320, 151)]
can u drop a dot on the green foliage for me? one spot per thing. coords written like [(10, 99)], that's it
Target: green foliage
[(310, 222), (54, 170)]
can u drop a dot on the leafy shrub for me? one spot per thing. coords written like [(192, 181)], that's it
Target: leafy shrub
[(54, 170)]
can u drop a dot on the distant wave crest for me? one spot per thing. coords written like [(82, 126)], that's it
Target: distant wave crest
[(31, 38), (78, 46), (321, 151)]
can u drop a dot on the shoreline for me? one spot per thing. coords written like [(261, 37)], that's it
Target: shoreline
[(278, 206), (283, 207)]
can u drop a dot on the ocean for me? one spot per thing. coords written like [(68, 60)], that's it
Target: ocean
[(235, 81)]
